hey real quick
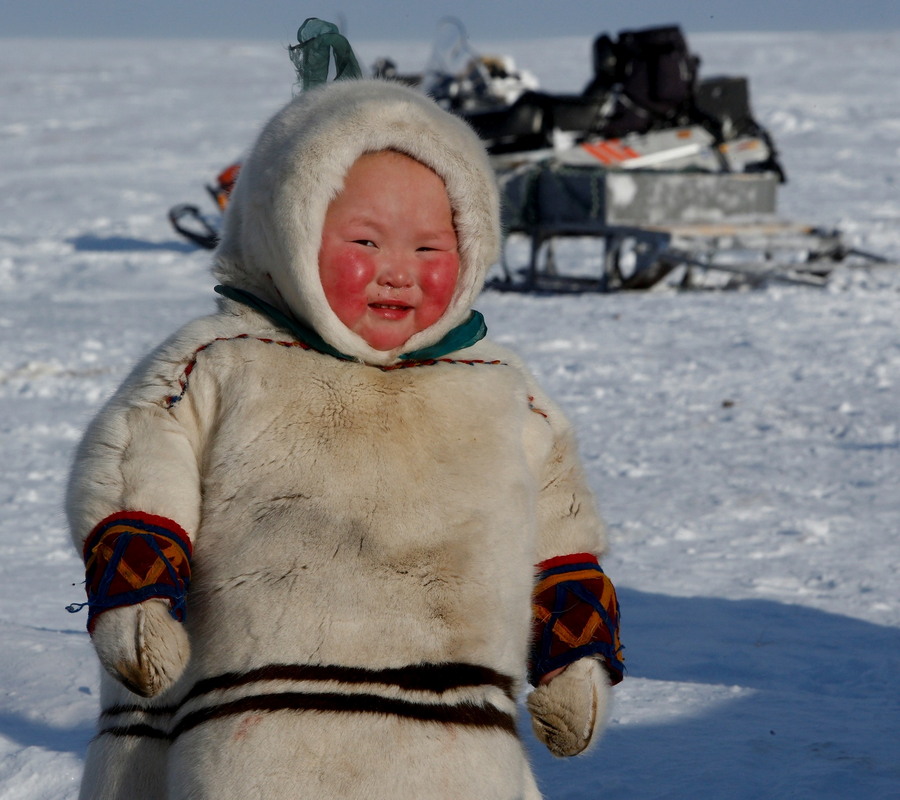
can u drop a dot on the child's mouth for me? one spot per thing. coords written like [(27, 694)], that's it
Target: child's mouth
[(391, 310)]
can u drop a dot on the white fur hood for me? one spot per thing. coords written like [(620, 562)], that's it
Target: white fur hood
[(273, 226)]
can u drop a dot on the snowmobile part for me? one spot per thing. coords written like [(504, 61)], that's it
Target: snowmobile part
[(655, 78), (386, 69), (188, 220), (645, 85), (462, 80), (225, 181)]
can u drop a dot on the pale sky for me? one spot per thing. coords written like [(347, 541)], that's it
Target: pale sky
[(363, 20)]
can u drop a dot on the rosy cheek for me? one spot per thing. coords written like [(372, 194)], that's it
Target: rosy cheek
[(345, 272), (438, 281)]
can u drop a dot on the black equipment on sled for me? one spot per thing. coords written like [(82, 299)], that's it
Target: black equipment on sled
[(644, 81)]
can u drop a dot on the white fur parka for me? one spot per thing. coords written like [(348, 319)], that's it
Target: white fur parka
[(364, 529)]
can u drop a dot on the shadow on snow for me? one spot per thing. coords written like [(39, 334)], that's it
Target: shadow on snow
[(27, 732), (119, 244), (817, 713)]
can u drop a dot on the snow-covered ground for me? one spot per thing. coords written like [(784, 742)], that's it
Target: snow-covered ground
[(745, 446)]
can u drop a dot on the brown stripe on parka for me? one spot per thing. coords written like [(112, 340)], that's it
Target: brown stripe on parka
[(433, 678), (466, 713), (145, 731)]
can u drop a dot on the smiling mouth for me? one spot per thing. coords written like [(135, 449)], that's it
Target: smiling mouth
[(391, 311), (391, 306)]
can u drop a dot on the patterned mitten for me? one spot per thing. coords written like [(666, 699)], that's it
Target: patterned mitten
[(137, 573)]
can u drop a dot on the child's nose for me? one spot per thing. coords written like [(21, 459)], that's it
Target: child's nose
[(396, 275)]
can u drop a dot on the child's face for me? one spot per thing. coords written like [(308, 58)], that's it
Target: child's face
[(389, 260)]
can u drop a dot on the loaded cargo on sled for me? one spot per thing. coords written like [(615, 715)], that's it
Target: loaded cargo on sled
[(667, 176)]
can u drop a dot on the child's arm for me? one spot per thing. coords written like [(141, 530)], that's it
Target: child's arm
[(576, 654), (133, 505)]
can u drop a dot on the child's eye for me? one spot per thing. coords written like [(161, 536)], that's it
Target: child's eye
[(364, 242)]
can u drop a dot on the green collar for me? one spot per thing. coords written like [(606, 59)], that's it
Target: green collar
[(462, 336)]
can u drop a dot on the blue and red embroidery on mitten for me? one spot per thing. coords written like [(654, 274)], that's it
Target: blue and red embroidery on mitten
[(131, 557), (575, 615)]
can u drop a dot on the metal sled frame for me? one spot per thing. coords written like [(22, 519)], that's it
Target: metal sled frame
[(641, 257), (737, 235)]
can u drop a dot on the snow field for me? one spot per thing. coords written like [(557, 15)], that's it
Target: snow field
[(744, 446)]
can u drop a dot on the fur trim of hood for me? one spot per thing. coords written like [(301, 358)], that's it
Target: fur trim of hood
[(273, 226)]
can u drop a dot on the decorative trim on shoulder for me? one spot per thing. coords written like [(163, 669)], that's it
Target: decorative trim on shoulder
[(431, 362), (184, 378), (539, 411)]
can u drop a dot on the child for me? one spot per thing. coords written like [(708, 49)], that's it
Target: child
[(376, 508)]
